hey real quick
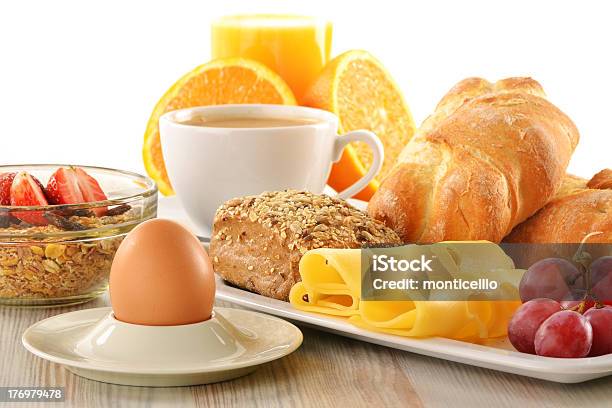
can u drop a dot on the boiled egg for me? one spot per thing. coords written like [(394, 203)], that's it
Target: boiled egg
[(161, 276)]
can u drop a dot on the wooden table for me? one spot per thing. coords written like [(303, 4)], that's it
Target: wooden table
[(327, 370)]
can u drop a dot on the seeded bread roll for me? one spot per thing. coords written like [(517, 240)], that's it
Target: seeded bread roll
[(258, 241)]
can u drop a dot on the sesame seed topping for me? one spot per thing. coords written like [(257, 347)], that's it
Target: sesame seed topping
[(309, 220)]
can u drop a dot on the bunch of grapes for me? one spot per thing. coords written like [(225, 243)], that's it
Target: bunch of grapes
[(567, 309), (543, 327), (561, 280)]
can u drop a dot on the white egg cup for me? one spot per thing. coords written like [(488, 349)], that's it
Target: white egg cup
[(93, 344)]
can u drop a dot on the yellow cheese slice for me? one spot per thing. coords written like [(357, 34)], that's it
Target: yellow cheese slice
[(452, 319), (331, 284)]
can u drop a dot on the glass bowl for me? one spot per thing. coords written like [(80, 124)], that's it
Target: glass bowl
[(67, 260)]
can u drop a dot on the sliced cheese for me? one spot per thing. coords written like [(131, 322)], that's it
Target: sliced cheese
[(331, 284)]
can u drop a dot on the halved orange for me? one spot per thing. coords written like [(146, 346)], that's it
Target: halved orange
[(222, 81), (360, 91)]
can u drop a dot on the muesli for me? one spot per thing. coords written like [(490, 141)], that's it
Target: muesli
[(47, 268)]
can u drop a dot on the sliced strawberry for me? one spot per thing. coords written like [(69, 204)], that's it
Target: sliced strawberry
[(6, 179), (37, 181), (63, 187), (91, 190), (72, 185), (26, 191)]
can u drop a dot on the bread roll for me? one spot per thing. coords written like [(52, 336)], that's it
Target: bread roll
[(489, 157), (579, 208), (258, 241)]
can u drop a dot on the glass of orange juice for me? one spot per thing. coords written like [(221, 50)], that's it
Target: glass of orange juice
[(295, 47)]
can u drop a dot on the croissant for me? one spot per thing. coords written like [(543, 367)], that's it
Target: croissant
[(579, 208), (489, 157)]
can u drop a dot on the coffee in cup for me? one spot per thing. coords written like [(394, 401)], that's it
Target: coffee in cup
[(215, 153)]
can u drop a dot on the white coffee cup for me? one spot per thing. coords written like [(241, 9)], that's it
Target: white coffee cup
[(210, 165)]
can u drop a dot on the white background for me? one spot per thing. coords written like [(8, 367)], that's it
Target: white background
[(79, 79)]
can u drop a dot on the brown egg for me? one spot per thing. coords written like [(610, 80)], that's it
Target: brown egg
[(161, 276)]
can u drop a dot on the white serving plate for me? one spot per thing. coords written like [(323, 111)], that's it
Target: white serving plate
[(496, 355)]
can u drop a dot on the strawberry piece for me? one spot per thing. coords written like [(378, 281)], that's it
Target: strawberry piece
[(63, 187), (40, 185), (72, 185), (91, 190), (26, 191), (6, 179)]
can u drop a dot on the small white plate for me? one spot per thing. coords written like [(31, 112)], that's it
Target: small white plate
[(497, 355), (93, 344)]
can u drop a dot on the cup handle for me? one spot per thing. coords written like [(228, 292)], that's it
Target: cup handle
[(378, 156)]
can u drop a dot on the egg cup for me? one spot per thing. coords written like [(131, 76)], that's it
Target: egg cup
[(92, 343)]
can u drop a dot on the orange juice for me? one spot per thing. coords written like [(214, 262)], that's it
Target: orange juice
[(296, 47)]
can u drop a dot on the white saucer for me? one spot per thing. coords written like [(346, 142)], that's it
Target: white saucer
[(93, 344)]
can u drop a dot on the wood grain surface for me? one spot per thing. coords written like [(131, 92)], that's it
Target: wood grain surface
[(327, 370)]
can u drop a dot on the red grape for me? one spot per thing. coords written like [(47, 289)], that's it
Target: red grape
[(601, 279), (601, 322), (565, 334), (549, 278), (526, 321)]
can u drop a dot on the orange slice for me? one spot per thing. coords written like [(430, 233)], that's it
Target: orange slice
[(360, 91), (222, 81)]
